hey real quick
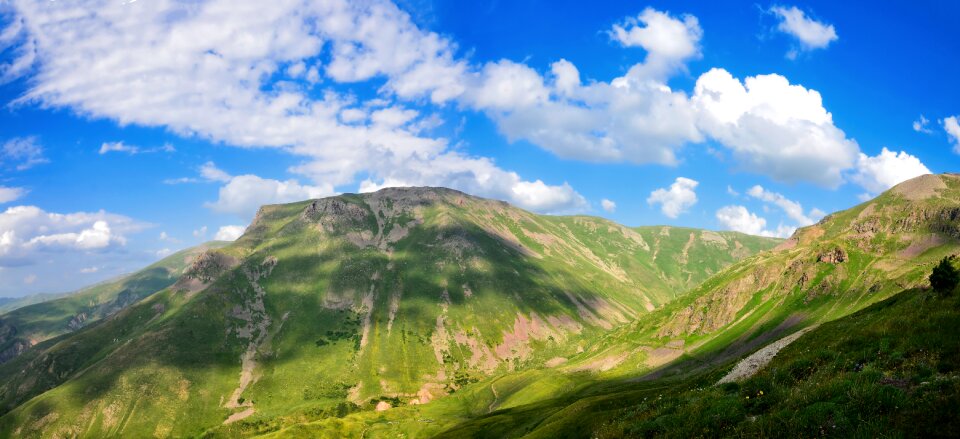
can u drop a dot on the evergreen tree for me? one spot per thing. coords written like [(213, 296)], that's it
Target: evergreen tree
[(944, 277)]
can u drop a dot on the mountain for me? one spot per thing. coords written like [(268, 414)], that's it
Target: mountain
[(341, 304), (824, 273), (30, 323), (8, 304)]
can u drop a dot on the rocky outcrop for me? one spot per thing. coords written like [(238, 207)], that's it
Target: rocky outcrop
[(205, 268), (14, 350), (833, 256)]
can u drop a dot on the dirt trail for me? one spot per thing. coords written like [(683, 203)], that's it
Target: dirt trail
[(496, 397), (752, 364)]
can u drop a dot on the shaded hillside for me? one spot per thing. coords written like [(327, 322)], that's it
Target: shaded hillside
[(330, 306), (54, 315)]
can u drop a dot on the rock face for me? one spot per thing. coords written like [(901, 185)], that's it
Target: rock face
[(833, 256)]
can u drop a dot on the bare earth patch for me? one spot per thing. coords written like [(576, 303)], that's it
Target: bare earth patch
[(239, 415), (920, 188), (749, 366)]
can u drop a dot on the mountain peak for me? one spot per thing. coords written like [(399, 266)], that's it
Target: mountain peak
[(924, 187)]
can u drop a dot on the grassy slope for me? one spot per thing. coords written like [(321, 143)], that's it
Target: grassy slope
[(349, 315), (889, 370), (35, 323)]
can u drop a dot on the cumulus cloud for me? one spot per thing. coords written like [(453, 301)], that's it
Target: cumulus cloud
[(771, 126), (608, 205), (676, 199), (739, 219), (28, 231), (952, 127), (22, 153), (792, 209), (774, 127), (200, 233), (244, 194), (885, 170), (810, 33), (920, 125), (8, 194), (669, 41), (480, 176), (229, 233)]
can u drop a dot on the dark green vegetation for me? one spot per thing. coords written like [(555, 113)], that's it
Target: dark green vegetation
[(945, 277), (33, 319), (892, 369), (420, 312)]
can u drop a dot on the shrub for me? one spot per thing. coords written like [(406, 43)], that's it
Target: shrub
[(944, 277)]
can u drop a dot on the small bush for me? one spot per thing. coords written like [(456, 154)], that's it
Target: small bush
[(944, 278)]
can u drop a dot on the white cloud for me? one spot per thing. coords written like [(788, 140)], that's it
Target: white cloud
[(676, 199), (200, 233), (481, 177), (30, 279), (164, 252), (229, 233), (506, 85), (118, 147), (89, 270), (739, 219), (885, 170), (22, 153), (608, 205), (732, 192), (97, 236), (167, 238), (810, 33), (210, 172), (251, 80), (774, 127), (8, 194), (244, 194), (669, 41), (952, 127), (28, 231), (793, 209), (920, 125)]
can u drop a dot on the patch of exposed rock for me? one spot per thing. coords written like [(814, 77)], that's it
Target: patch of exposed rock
[(206, 268), (833, 256)]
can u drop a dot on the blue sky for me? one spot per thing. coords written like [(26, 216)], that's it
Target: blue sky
[(131, 129)]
